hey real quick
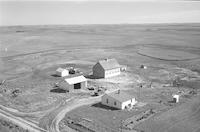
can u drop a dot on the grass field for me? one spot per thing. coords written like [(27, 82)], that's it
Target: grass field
[(184, 118), (29, 56)]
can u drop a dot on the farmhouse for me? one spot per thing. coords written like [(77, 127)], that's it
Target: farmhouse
[(73, 82), (118, 99), (106, 68), (62, 72)]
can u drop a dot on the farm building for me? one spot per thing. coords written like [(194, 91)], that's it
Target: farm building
[(62, 72), (73, 82), (176, 98), (71, 70), (106, 68), (123, 68), (118, 99)]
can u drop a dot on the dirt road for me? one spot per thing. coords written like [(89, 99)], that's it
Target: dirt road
[(30, 115), (21, 122), (17, 117), (51, 123)]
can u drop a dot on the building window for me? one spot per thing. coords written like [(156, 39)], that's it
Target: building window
[(107, 101), (115, 103)]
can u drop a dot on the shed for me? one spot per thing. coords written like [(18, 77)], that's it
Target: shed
[(106, 68), (118, 99), (176, 98), (62, 72), (73, 82), (143, 67)]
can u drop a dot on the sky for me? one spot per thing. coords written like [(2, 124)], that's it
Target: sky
[(47, 12)]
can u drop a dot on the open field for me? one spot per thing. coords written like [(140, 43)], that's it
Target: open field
[(184, 118), (29, 56)]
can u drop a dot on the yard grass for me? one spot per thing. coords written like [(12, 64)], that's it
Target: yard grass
[(113, 118), (183, 118), (102, 116)]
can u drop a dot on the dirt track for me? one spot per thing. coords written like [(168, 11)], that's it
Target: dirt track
[(21, 122), (166, 54), (51, 123)]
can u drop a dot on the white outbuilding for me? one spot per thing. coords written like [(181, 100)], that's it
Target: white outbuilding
[(73, 82), (119, 100), (106, 68), (176, 98), (62, 72)]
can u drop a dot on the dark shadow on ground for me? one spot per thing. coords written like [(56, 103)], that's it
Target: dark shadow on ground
[(100, 105), (55, 75), (20, 31), (92, 77), (172, 102), (58, 90)]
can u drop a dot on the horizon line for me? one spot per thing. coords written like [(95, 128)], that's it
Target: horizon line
[(173, 23), (82, 1)]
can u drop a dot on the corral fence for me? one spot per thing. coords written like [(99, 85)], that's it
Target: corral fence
[(87, 125)]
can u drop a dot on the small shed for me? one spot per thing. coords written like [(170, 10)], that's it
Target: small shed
[(71, 70), (106, 68), (62, 72), (176, 98), (123, 68), (118, 99), (73, 82), (143, 67)]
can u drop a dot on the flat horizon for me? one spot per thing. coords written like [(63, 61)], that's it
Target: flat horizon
[(102, 24), (97, 12)]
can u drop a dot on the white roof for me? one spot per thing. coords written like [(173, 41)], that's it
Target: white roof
[(175, 96), (121, 96), (76, 79), (60, 69)]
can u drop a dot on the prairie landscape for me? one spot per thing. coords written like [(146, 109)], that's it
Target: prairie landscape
[(30, 55)]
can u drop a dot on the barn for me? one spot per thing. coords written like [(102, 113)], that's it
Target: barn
[(106, 68), (118, 99), (73, 82), (62, 72)]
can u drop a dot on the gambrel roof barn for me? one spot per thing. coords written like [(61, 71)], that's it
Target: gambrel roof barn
[(106, 68)]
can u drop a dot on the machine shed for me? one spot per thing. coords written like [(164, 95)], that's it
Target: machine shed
[(73, 82)]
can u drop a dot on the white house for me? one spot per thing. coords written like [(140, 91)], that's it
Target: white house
[(73, 82), (118, 99), (106, 68), (62, 72)]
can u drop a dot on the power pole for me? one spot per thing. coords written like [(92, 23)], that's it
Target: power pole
[(139, 91), (142, 74), (151, 84)]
